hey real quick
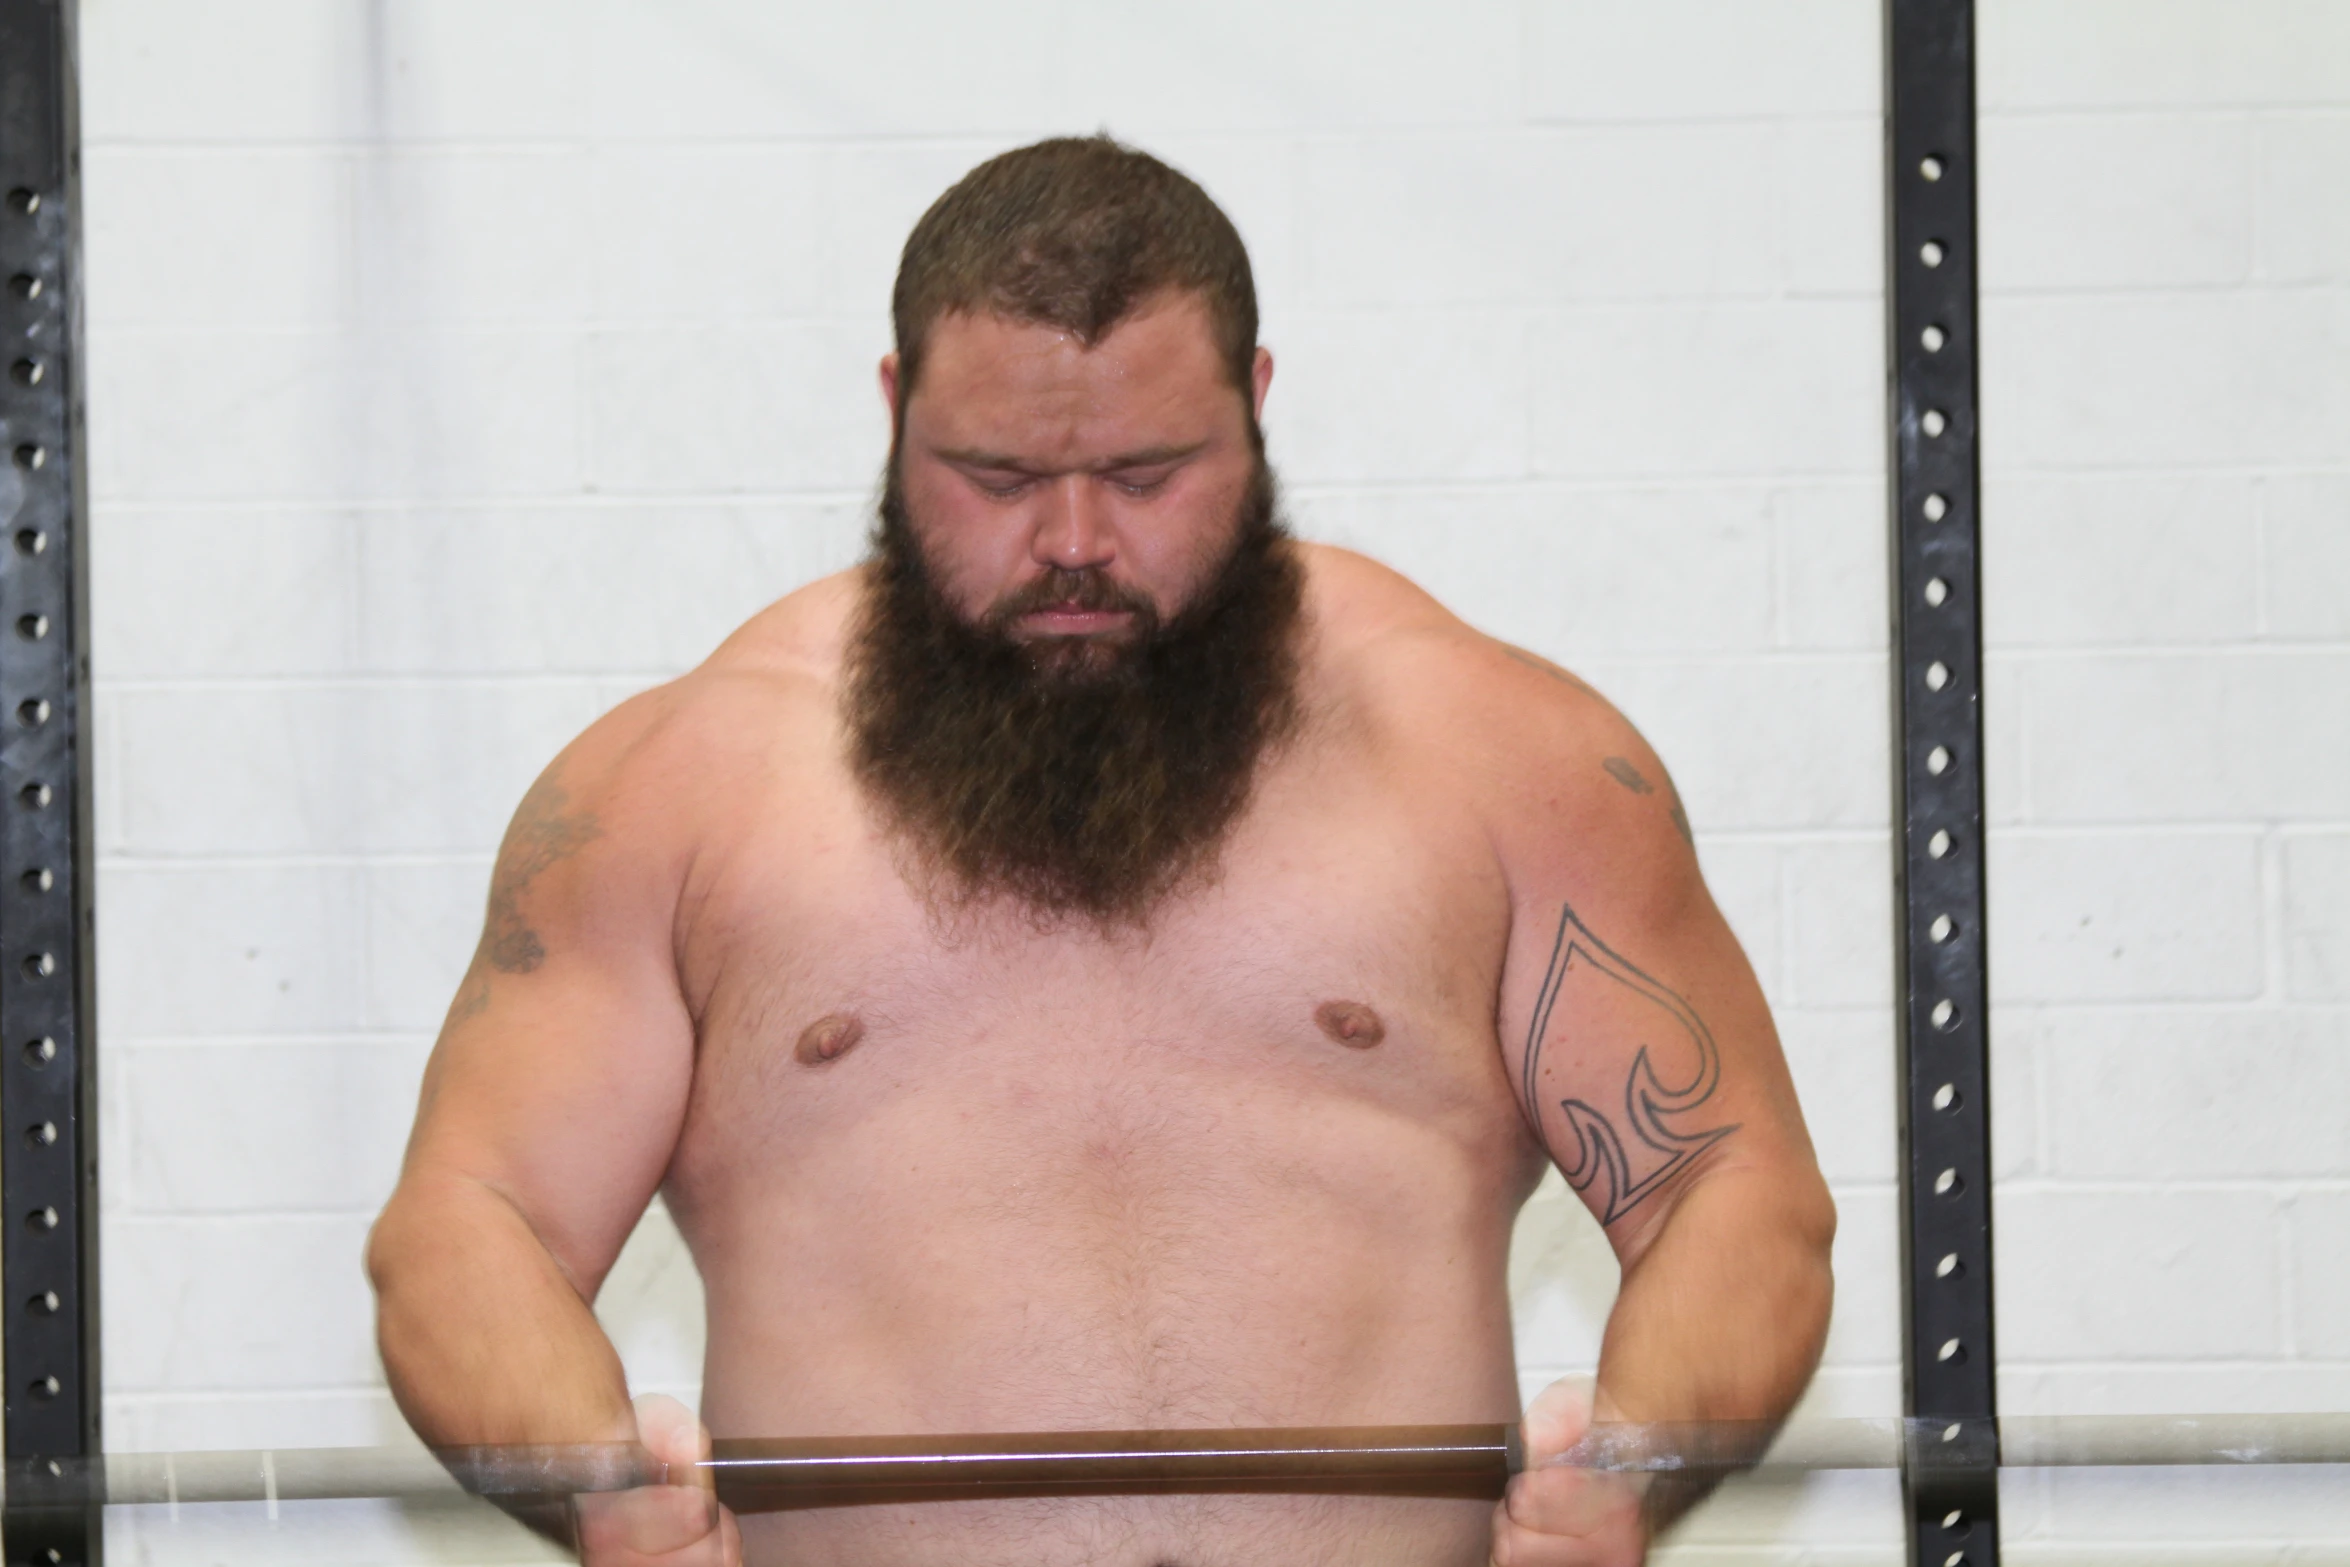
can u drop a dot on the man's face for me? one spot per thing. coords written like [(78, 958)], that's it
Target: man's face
[(1070, 496), (1078, 634)]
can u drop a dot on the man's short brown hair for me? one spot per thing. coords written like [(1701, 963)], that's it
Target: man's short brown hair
[(1075, 232)]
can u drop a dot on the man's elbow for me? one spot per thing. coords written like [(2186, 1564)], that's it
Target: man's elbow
[(1807, 1236)]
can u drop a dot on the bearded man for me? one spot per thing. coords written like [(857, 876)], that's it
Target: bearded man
[(1101, 964)]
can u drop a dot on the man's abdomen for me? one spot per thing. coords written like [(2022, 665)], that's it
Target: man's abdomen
[(1037, 1234)]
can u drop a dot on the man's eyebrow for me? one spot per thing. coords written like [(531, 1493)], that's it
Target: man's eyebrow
[(1002, 462)]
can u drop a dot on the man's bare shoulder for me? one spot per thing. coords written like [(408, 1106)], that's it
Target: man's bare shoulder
[(769, 691), (1538, 750)]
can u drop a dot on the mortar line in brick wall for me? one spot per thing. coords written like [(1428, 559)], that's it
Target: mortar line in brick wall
[(2041, 829), (371, 507), (2278, 1187), (2122, 1006), (131, 1212), (2249, 110), (2260, 555), (162, 1398), (2008, 473), (2224, 1363), (2248, 285), (2019, 652), (474, 859), (322, 1040), (523, 679), (162, 1220), (1528, 126), (2288, 1323), (607, 499), (2275, 919), (430, 681), (1539, 485), (1528, 484)]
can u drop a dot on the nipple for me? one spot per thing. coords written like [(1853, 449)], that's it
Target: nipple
[(829, 1038), (1350, 1023)]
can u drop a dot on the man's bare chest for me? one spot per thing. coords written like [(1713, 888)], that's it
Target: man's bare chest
[(1337, 972)]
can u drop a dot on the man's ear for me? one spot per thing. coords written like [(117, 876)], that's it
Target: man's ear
[(1260, 381), (889, 386)]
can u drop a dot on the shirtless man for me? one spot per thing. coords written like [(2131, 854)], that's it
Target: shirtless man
[(1100, 964)]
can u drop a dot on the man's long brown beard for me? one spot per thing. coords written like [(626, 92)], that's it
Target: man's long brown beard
[(1076, 776)]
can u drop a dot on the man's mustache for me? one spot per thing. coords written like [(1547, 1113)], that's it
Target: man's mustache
[(1086, 588)]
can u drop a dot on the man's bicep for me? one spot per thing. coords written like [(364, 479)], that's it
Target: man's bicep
[(566, 1100), (1644, 1052), (561, 1076)]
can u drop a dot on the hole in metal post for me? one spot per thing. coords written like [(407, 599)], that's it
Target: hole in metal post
[(1931, 252), (31, 541), (32, 712), (1948, 1184), (46, 1388), (1939, 845), (24, 202), (31, 458), (37, 879), (28, 372), (1932, 339), (40, 1052), (1945, 1014), (1949, 1267), (44, 1304), (32, 627), (42, 1219), (36, 796), (1937, 675), (1938, 760), (1940, 929), (1937, 592), (1946, 1097), (42, 1135), (1936, 508), (1955, 1559), (1933, 422), (1930, 169), (1951, 1350), (40, 965)]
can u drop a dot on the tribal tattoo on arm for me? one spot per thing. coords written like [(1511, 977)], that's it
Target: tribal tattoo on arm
[(1616, 1158)]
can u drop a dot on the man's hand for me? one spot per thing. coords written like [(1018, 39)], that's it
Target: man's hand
[(1558, 1515), (661, 1525)]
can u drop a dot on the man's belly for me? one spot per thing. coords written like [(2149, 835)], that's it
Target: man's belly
[(1159, 1531), (1156, 1255)]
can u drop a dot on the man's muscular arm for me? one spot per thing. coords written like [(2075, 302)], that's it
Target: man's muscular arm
[(549, 1110), (1646, 1060)]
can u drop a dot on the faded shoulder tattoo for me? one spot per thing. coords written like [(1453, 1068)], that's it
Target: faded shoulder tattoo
[(1618, 1156), (542, 834), (1621, 770)]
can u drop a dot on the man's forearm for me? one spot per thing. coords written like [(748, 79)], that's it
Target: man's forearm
[(1722, 1316), (484, 1338)]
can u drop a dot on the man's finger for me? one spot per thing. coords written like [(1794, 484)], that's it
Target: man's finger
[(673, 1435), (652, 1520), (1572, 1502), (1556, 1421)]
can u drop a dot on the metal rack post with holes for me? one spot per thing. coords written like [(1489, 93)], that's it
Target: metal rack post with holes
[(48, 1088), (1950, 1477)]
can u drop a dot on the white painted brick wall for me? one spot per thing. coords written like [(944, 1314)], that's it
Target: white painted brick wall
[(459, 366), (2167, 446)]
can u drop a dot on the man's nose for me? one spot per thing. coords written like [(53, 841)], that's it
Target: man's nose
[(1074, 533)]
